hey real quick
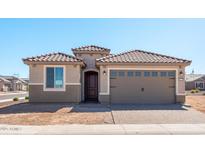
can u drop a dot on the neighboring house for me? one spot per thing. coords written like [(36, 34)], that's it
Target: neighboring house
[(15, 83), (93, 74), (195, 81), (5, 85)]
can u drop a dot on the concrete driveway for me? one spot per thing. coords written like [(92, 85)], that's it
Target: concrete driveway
[(156, 114)]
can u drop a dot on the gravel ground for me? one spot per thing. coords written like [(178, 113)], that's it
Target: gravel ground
[(197, 102), (20, 113)]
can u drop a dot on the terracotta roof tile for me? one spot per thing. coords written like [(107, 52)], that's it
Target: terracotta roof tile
[(53, 57), (91, 48), (139, 56)]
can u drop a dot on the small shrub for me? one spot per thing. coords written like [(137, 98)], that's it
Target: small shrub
[(192, 91), (15, 99), (26, 98), (197, 90)]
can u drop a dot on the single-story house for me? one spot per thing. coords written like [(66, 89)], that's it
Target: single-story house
[(5, 84), (15, 83), (94, 74), (195, 81)]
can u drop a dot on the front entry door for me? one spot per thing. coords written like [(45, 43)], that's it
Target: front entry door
[(91, 86)]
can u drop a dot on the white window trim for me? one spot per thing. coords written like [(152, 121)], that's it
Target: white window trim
[(198, 82), (136, 69), (64, 78)]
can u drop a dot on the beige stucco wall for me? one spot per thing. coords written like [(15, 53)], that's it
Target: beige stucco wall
[(1, 86), (181, 81), (71, 95), (89, 59), (36, 73), (180, 98), (72, 91)]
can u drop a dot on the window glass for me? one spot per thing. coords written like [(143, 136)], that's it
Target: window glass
[(171, 74), (154, 74), (130, 74), (59, 77), (121, 73), (49, 77), (200, 85), (146, 74), (54, 77), (138, 74), (113, 73), (163, 74)]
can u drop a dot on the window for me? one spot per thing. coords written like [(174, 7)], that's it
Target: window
[(138, 74), (130, 74), (113, 74), (146, 74), (121, 74), (171, 74), (54, 77), (199, 85), (154, 74), (163, 74)]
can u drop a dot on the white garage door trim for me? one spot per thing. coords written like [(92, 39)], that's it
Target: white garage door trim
[(147, 68)]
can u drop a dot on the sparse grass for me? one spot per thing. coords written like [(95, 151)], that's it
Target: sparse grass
[(15, 99), (26, 98), (195, 90)]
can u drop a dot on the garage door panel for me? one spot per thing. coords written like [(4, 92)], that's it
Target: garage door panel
[(142, 89)]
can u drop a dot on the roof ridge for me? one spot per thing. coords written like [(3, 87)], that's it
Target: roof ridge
[(87, 46)]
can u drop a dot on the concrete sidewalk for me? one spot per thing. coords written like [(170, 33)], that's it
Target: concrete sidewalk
[(120, 129)]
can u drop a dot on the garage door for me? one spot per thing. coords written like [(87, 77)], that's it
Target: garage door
[(143, 87)]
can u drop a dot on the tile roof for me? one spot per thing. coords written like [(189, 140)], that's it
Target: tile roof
[(139, 56), (91, 48), (193, 77), (3, 79), (9, 78), (53, 57)]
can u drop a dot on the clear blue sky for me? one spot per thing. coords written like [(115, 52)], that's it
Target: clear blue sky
[(20, 38)]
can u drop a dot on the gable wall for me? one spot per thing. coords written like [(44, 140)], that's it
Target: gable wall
[(89, 59)]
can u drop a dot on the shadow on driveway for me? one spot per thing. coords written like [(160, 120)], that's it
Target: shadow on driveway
[(148, 107), (54, 107), (51, 108)]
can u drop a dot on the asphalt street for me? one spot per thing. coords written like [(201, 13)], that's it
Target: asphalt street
[(12, 95)]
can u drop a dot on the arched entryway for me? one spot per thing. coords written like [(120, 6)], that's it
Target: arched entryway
[(91, 86)]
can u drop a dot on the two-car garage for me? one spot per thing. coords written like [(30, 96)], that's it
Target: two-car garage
[(142, 86)]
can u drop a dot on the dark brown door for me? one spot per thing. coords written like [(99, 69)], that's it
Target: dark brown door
[(91, 86)]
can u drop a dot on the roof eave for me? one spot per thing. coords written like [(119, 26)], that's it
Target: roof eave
[(134, 63), (53, 63)]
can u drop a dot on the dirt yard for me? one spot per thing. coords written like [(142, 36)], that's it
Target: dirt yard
[(197, 102), (22, 113)]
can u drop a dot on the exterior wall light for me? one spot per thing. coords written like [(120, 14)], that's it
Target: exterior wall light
[(104, 72), (181, 73)]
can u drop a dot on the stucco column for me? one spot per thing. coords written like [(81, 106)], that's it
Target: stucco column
[(104, 97)]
